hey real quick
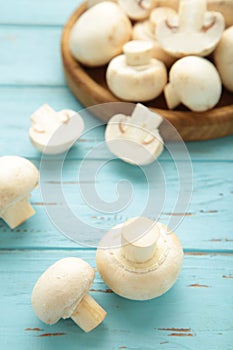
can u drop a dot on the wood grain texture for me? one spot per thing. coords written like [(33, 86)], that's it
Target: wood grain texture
[(199, 226), (187, 317), (89, 86), (44, 13)]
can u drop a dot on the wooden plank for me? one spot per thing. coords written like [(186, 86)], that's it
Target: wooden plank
[(195, 313), (46, 12), (206, 222), (30, 56), (18, 103)]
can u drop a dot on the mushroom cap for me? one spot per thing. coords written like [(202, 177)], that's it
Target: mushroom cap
[(223, 58), (99, 34), (160, 14), (60, 289), (140, 281), (144, 31), (136, 10), (55, 132), (143, 80), (196, 81), (134, 141), (18, 176), (184, 43)]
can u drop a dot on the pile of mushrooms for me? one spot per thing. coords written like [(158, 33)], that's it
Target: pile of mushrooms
[(152, 47)]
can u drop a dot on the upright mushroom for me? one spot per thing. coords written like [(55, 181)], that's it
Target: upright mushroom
[(135, 139), (223, 58), (194, 31), (139, 259), (99, 34), (62, 292), (195, 82), (135, 76), (18, 177), (55, 132)]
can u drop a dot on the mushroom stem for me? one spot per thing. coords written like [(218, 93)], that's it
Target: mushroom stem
[(171, 96), (138, 240), (17, 212), (88, 314), (191, 15), (138, 53)]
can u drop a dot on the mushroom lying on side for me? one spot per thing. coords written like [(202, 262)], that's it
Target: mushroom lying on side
[(223, 58), (225, 7), (195, 82), (194, 31), (139, 259), (62, 292), (135, 76), (55, 132), (135, 139), (145, 30), (99, 34), (18, 177), (136, 9)]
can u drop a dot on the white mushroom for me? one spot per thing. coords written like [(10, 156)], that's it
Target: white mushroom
[(62, 292), (145, 30), (195, 82), (225, 7), (194, 31), (91, 3), (135, 76), (139, 259), (135, 139), (18, 177), (223, 58), (99, 34), (55, 132), (136, 9)]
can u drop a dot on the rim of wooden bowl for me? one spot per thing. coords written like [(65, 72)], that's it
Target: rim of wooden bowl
[(192, 126)]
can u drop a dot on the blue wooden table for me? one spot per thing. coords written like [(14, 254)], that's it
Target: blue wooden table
[(197, 312)]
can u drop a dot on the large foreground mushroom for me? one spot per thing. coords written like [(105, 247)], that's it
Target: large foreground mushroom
[(18, 177), (139, 259), (62, 292)]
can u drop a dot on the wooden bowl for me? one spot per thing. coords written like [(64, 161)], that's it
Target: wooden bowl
[(89, 86)]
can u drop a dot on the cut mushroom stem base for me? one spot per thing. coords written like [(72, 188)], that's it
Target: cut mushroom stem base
[(89, 314), (17, 212)]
